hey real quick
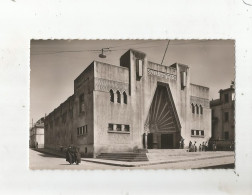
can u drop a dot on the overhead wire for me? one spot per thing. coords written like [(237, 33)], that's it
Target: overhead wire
[(118, 46)]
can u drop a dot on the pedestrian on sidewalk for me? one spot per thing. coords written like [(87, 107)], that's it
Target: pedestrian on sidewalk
[(203, 146), (200, 148), (195, 147), (69, 157)]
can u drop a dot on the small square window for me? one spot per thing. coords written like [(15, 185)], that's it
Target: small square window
[(119, 127), (110, 127), (126, 128)]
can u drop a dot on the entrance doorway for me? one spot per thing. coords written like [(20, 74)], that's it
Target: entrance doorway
[(150, 141), (162, 120), (166, 141)]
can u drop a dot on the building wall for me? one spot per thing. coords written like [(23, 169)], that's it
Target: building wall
[(62, 124), (37, 137), (95, 83), (219, 125), (202, 122)]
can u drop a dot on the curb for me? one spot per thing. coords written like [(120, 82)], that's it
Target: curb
[(133, 165)]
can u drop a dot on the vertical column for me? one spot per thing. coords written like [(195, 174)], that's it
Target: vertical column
[(114, 127)]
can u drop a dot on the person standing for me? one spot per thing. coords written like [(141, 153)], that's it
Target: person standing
[(200, 148), (203, 146), (69, 156)]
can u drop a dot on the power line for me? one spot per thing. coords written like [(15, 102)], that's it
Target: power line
[(118, 46), (165, 51)]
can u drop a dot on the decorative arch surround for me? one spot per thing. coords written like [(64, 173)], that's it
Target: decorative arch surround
[(162, 113), (162, 125), (111, 93)]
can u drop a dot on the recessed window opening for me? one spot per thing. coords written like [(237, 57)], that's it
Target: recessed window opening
[(111, 95), (118, 95), (201, 109), (124, 97), (193, 108), (197, 109)]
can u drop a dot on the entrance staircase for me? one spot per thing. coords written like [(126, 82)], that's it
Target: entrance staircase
[(124, 156), (166, 154)]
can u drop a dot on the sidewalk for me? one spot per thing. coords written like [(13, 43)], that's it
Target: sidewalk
[(187, 157)]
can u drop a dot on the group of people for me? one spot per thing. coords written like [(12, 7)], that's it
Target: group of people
[(202, 147), (73, 155)]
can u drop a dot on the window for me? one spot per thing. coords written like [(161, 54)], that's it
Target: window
[(110, 127), (193, 108), (119, 127), (82, 130), (226, 98), (197, 109), (197, 133), (111, 95), (201, 109), (139, 68), (124, 97), (81, 103), (226, 117), (126, 128), (118, 95), (85, 149), (192, 132)]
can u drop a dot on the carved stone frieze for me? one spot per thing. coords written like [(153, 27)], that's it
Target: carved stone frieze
[(200, 101), (161, 74), (106, 85)]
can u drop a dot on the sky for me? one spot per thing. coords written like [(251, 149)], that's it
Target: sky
[(56, 63)]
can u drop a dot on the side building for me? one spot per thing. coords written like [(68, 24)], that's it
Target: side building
[(223, 127), (37, 134), (136, 105)]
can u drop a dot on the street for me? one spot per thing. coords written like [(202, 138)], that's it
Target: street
[(44, 161)]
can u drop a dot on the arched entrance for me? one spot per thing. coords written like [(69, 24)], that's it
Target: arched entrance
[(162, 123)]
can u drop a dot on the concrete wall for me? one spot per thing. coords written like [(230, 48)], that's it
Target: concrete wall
[(61, 124), (200, 96), (109, 77)]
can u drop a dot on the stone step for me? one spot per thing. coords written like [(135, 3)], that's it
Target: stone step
[(167, 151), (123, 155), (127, 156)]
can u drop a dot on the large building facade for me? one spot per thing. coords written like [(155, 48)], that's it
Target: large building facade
[(138, 104), (223, 126)]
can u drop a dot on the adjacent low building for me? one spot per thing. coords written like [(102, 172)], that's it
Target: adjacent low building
[(135, 105), (37, 134), (223, 127)]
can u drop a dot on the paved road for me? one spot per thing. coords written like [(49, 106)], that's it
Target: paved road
[(44, 161)]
